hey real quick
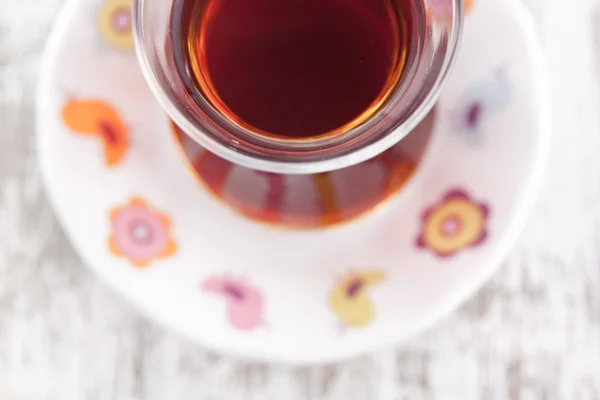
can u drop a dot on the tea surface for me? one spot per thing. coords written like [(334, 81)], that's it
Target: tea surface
[(293, 69)]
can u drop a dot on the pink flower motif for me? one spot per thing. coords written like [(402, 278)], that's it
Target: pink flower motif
[(453, 224), (140, 234), (244, 302)]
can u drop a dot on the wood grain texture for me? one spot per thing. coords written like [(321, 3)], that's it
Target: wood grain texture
[(533, 332)]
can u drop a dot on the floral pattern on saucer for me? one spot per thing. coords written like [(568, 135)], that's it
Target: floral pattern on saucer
[(484, 98), (140, 234), (114, 23), (97, 118), (245, 302), (350, 297), (457, 222), (468, 5)]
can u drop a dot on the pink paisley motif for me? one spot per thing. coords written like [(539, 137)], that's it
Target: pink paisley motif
[(244, 302)]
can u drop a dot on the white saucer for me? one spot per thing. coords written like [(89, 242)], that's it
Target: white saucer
[(139, 219)]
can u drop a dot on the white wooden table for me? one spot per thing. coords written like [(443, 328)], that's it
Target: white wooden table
[(533, 332)]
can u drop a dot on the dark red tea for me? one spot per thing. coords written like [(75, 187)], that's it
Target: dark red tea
[(297, 69), (294, 69), (313, 200)]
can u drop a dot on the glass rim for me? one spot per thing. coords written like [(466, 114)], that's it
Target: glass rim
[(298, 164)]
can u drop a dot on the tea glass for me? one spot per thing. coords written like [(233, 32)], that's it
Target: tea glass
[(435, 37), (434, 31)]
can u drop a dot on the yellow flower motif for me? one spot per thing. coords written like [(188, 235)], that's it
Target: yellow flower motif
[(454, 224), (114, 21), (140, 234), (350, 300)]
